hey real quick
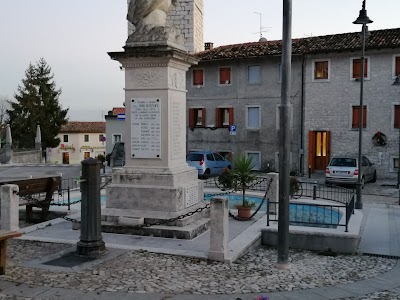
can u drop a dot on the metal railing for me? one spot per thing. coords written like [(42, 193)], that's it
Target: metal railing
[(321, 215), (259, 184)]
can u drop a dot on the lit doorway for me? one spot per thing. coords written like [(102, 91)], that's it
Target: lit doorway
[(318, 149)]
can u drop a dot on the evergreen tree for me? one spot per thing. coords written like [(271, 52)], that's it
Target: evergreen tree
[(37, 103)]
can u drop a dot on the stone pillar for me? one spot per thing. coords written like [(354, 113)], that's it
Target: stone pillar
[(273, 192), (8, 144), (156, 176), (38, 139), (219, 228), (9, 207), (91, 241)]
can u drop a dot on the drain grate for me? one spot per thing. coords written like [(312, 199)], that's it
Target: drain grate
[(382, 255), (69, 260)]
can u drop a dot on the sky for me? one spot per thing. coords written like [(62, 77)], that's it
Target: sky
[(74, 36)]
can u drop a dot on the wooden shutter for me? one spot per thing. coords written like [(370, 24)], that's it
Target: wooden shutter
[(364, 117), (203, 124), (397, 70), (218, 117), (198, 77), (224, 75), (355, 117), (396, 116), (231, 120), (311, 149), (357, 68), (191, 118)]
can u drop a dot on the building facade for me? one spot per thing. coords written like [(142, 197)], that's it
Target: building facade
[(79, 141), (240, 85)]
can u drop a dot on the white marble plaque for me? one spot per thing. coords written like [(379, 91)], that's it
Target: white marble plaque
[(192, 195), (146, 128)]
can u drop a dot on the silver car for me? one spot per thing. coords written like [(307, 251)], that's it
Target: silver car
[(207, 163), (344, 170)]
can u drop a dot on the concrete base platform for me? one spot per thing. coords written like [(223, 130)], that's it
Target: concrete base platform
[(127, 221), (319, 239)]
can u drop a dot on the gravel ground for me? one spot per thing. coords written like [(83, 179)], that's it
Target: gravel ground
[(141, 271)]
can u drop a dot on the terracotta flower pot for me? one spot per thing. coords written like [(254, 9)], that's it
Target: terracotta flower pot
[(244, 211)]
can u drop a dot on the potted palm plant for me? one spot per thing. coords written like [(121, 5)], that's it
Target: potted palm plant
[(243, 176)]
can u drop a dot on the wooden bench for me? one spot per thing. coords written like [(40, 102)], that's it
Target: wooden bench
[(4, 236), (31, 190)]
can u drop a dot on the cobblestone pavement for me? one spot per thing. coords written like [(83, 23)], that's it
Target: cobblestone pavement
[(144, 272)]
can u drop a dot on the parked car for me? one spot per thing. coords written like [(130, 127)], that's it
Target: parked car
[(207, 163), (344, 170)]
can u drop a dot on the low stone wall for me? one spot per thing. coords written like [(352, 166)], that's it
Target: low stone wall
[(31, 156), (319, 239)]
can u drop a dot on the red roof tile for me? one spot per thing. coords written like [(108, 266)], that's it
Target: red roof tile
[(118, 110), (379, 39), (84, 127)]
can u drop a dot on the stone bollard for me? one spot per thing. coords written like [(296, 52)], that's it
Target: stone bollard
[(219, 229), (91, 241), (9, 207), (273, 192)]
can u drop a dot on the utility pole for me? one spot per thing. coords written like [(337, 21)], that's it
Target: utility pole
[(285, 139)]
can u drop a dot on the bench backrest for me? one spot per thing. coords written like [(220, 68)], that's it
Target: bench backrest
[(36, 185)]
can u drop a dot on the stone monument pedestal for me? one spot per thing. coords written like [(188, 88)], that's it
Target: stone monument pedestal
[(156, 183)]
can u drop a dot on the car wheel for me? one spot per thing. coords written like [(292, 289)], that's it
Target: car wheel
[(362, 182), (374, 177), (207, 173)]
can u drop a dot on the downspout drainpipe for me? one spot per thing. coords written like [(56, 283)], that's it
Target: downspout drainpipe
[(303, 74)]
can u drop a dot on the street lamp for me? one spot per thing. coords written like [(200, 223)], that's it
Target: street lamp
[(397, 83), (363, 20)]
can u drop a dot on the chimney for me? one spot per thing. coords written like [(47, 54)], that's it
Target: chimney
[(208, 46)]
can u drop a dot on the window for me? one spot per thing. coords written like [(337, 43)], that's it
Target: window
[(256, 159), (253, 117), (396, 66), (321, 70), (86, 138), (224, 117), (356, 117), (395, 163), (356, 68), (102, 138), (198, 77), (396, 116), (65, 138), (197, 117), (224, 76), (117, 138), (254, 74)]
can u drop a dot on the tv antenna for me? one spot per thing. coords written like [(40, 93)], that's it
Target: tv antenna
[(262, 28)]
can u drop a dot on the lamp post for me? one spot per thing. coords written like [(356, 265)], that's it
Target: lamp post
[(397, 83), (363, 20)]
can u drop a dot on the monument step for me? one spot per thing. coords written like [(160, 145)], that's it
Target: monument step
[(187, 232)]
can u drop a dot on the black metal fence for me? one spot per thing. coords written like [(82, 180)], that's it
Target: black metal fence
[(321, 215)]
